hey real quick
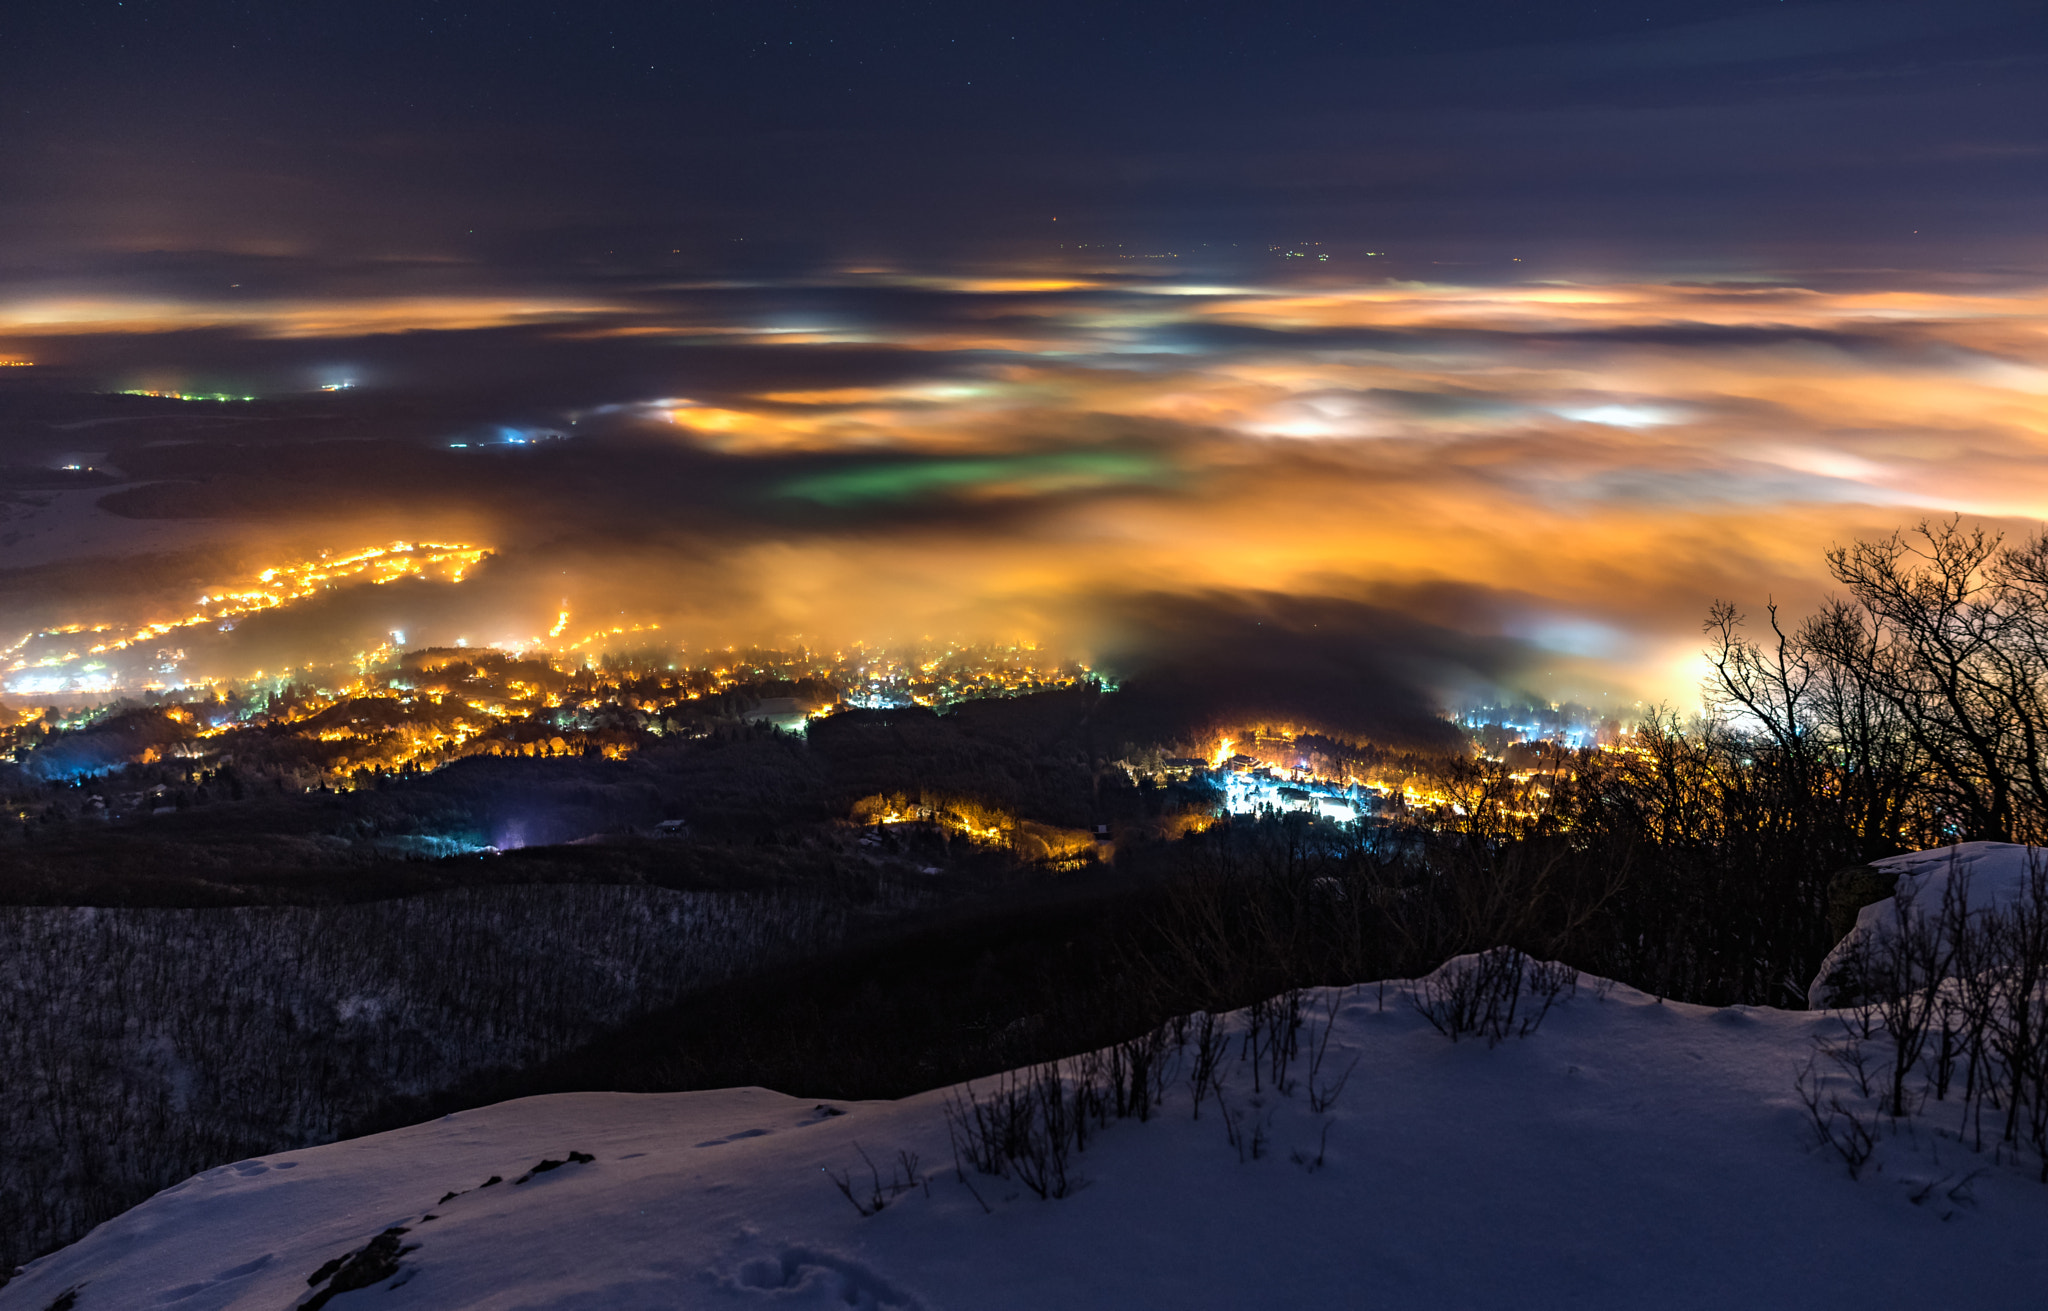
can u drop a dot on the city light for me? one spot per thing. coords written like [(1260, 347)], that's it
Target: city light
[(54, 659)]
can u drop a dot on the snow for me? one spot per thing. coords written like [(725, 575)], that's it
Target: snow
[(1629, 1153), (1994, 875), (51, 527)]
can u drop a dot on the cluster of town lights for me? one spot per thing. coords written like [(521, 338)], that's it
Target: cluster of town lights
[(55, 655)]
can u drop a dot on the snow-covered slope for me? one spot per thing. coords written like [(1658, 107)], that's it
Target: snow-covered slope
[(1993, 875), (1627, 1154)]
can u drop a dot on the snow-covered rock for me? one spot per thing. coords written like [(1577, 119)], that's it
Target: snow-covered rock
[(1628, 1153), (1993, 875)]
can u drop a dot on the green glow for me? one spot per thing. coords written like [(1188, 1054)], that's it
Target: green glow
[(1016, 475), (181, 395)]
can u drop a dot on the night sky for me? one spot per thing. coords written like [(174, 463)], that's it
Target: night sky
[(1495, 339), (160, 144)]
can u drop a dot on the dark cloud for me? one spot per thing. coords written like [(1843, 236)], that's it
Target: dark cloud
[(1344, 667)]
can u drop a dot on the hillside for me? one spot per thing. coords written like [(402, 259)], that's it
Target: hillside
[(1625, 1153)]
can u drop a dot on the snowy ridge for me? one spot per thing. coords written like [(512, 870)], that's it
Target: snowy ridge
[(1625, 1153), (1993, 875)]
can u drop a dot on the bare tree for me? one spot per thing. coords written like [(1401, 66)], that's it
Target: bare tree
[(1946, 630)]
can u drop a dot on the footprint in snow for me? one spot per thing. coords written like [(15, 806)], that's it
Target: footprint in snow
[(804, 1277), (173, 1295)]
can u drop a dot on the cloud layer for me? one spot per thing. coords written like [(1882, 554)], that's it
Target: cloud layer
[(1523, 485)]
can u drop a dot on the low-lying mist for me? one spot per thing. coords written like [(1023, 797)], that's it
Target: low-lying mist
[(1533, 486)]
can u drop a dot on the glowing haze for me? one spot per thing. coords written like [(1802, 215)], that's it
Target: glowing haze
[(1561, 474)]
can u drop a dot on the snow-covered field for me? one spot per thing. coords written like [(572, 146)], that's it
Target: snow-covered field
[(1628, 1153), (1988, 877), (40, 528)]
